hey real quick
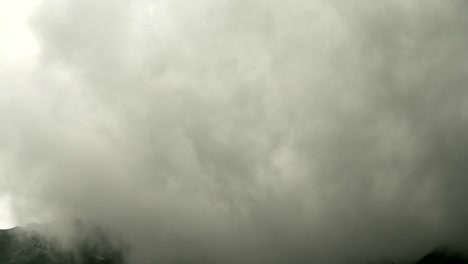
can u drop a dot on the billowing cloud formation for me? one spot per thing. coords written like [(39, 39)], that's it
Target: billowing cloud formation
[(245, 131)]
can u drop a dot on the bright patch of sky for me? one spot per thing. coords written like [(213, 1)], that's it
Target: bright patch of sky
[(17, 42), (6, 219), (18, 51)]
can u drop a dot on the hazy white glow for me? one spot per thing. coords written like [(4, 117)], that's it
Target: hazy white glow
[(18, 51), (16, 40), (6, 219)]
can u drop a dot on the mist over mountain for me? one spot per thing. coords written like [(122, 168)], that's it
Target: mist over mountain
[(239, 131), (35, 245)]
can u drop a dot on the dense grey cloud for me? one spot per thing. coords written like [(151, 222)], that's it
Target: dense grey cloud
[(245, 131)]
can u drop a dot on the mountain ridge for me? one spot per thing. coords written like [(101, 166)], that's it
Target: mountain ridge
[(21, 245), (27, 245)]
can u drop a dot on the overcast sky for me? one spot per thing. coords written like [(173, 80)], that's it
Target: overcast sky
[(239, 131)]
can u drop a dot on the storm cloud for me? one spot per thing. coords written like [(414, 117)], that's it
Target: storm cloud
[(240, 131)]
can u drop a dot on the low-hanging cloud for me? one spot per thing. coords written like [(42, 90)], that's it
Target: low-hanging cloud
[(245, 131)]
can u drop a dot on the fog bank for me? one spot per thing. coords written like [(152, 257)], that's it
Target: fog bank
[(241, 131)]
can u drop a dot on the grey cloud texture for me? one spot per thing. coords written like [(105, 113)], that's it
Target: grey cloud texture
[(245, 131)]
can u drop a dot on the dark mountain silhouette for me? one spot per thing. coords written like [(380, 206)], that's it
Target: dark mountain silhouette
[(93, 246), (444, 256), (25, 246)]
